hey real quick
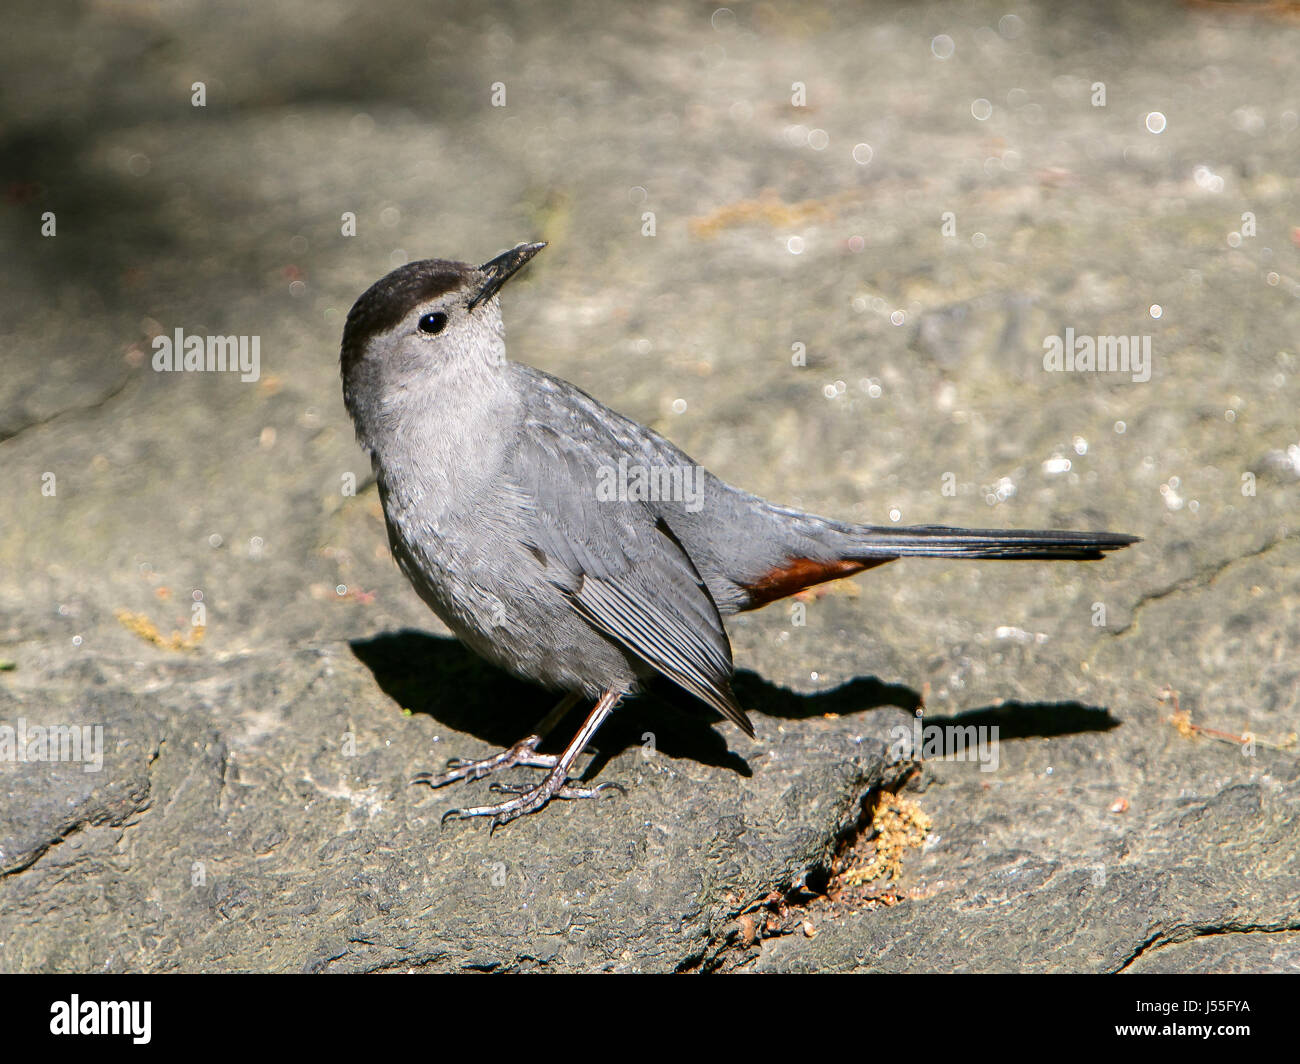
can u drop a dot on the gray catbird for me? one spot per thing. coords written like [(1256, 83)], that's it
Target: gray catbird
[(567, 543)]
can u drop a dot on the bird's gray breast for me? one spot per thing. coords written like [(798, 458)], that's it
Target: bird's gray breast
[(460, 526)]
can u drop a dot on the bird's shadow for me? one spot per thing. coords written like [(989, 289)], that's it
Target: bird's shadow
[(439, 676)]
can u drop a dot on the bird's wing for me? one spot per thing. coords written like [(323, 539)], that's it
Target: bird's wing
[(617, 562)]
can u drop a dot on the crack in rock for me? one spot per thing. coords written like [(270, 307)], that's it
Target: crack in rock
[(135, 803), (856, 820), (1187, 933), (13, 433), (1203, 577)]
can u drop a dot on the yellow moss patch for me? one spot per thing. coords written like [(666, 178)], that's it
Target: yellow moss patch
[(766, 210), (148, 631), (900, 825), (1181, 719)]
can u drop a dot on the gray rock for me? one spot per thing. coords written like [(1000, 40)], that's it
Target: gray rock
[(252, 811)]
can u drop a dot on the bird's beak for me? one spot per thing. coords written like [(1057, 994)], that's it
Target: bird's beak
[(499, 270)]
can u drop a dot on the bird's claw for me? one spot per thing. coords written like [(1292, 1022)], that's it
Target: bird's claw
[(523, 754), (527, 800), (565, 792)]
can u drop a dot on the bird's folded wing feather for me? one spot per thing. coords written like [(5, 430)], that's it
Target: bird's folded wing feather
[(620, 565)]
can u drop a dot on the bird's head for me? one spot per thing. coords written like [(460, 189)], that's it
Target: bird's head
[(427, 327)]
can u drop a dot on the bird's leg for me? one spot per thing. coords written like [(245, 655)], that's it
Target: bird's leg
[(523, 753), (556, 783)]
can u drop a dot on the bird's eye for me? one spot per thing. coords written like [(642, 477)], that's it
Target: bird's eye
[(433, 323)]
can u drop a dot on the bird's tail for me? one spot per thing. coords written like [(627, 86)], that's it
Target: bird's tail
[(878, 543), (786, 551)]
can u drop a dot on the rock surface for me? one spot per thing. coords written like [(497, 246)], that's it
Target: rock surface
[(252, 812)]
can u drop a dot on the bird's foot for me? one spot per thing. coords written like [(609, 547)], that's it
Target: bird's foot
[(523, 753), (529, 799)]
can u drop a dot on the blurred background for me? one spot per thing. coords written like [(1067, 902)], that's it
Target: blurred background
[(866, 220), (819, 245)]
